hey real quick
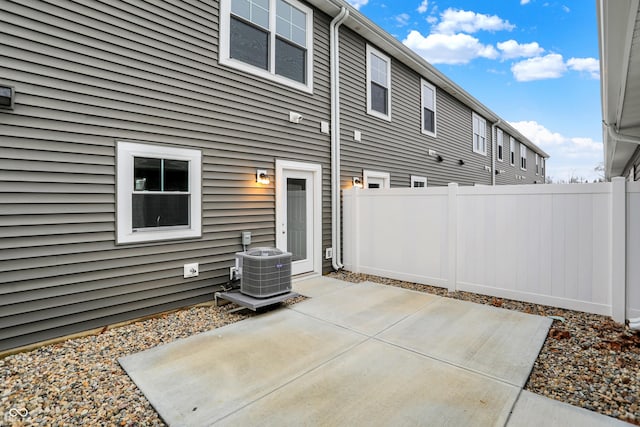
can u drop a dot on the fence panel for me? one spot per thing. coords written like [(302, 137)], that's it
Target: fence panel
[(547, 244), (401, 233), (544, 244)]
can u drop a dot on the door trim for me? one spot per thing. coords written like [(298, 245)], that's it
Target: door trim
[(316, 170)]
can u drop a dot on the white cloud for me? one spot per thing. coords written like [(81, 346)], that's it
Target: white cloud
[(448, 49), (432, 20), (570, 156), (454, 21), (423, 6), (403, 19), (550, 66), (588, 65), (523, 2), (512, 49), (358, 3), (566, 9)]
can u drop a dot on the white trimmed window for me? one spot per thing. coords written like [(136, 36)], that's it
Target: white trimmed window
[(375, 179), (269, 38), (418, 181), (428, 108), (537, 164), (479, 134), (512, 151), (378, 84), (523, 157), (542, 166), (158, 193), (500, 143)]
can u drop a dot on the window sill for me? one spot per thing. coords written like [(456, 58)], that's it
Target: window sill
[(379, 115)]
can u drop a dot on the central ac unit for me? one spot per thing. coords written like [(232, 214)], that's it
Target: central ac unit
[(264, 272)]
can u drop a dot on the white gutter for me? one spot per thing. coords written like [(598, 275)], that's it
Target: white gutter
[(620, 137), (335, 137), (494, 138)]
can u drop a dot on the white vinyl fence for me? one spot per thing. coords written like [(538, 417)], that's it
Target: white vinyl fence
[(571, 246)]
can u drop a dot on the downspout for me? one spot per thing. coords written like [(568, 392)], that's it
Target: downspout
[(494, 138), (335, 137)]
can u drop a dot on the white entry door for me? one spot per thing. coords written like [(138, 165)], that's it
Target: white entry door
[(298, 213)]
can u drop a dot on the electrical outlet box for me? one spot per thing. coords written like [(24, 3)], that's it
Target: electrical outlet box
[(328, 253), (246, 238), (324, 127), (233, 273), (191, 270)]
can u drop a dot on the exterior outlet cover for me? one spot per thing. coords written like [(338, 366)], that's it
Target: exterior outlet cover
[(357, 135), (432, 153), (324, 127), (191, 270), (328, 254)]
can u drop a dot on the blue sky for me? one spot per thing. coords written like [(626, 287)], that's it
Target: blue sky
[(533, 62)]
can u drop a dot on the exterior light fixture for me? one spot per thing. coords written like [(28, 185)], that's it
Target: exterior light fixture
[(262, 177), (439, 159), (357, 182), (461, 162)]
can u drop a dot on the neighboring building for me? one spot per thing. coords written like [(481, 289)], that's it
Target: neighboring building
[(147, 136), (619, 35)]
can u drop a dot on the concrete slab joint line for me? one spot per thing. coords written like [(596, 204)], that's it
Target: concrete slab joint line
[(353, 354)]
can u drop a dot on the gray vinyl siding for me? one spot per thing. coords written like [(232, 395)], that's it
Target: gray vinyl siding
[(508, 177), (634, 162), (88, 75), (399, 147)]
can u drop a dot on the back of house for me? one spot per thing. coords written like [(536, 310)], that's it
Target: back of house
[(141, 137)]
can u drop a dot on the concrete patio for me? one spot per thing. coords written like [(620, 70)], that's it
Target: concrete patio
[(357, 354)]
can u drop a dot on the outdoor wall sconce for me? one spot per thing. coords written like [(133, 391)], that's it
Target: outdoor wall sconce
[(439, 158), (262, 177), (295, 117), (357, 182), (461, 162)]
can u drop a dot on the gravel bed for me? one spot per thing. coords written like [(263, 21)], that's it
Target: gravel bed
[(80, 382), (588, 360)]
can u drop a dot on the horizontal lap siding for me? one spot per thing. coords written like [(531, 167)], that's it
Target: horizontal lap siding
[(508, 173), (399, 147), (88, 75)]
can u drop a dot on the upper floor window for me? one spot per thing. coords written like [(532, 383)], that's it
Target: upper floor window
[(378, 84), (269, 38), (523, 157), (158, 193), (512, 151), (537, 164), (500, 143), (542, 166), (428, 108), (418, 181), (479, 134)]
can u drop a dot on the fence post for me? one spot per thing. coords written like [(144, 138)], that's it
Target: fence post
[(355, 221), (452, 233), (618, 249)]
